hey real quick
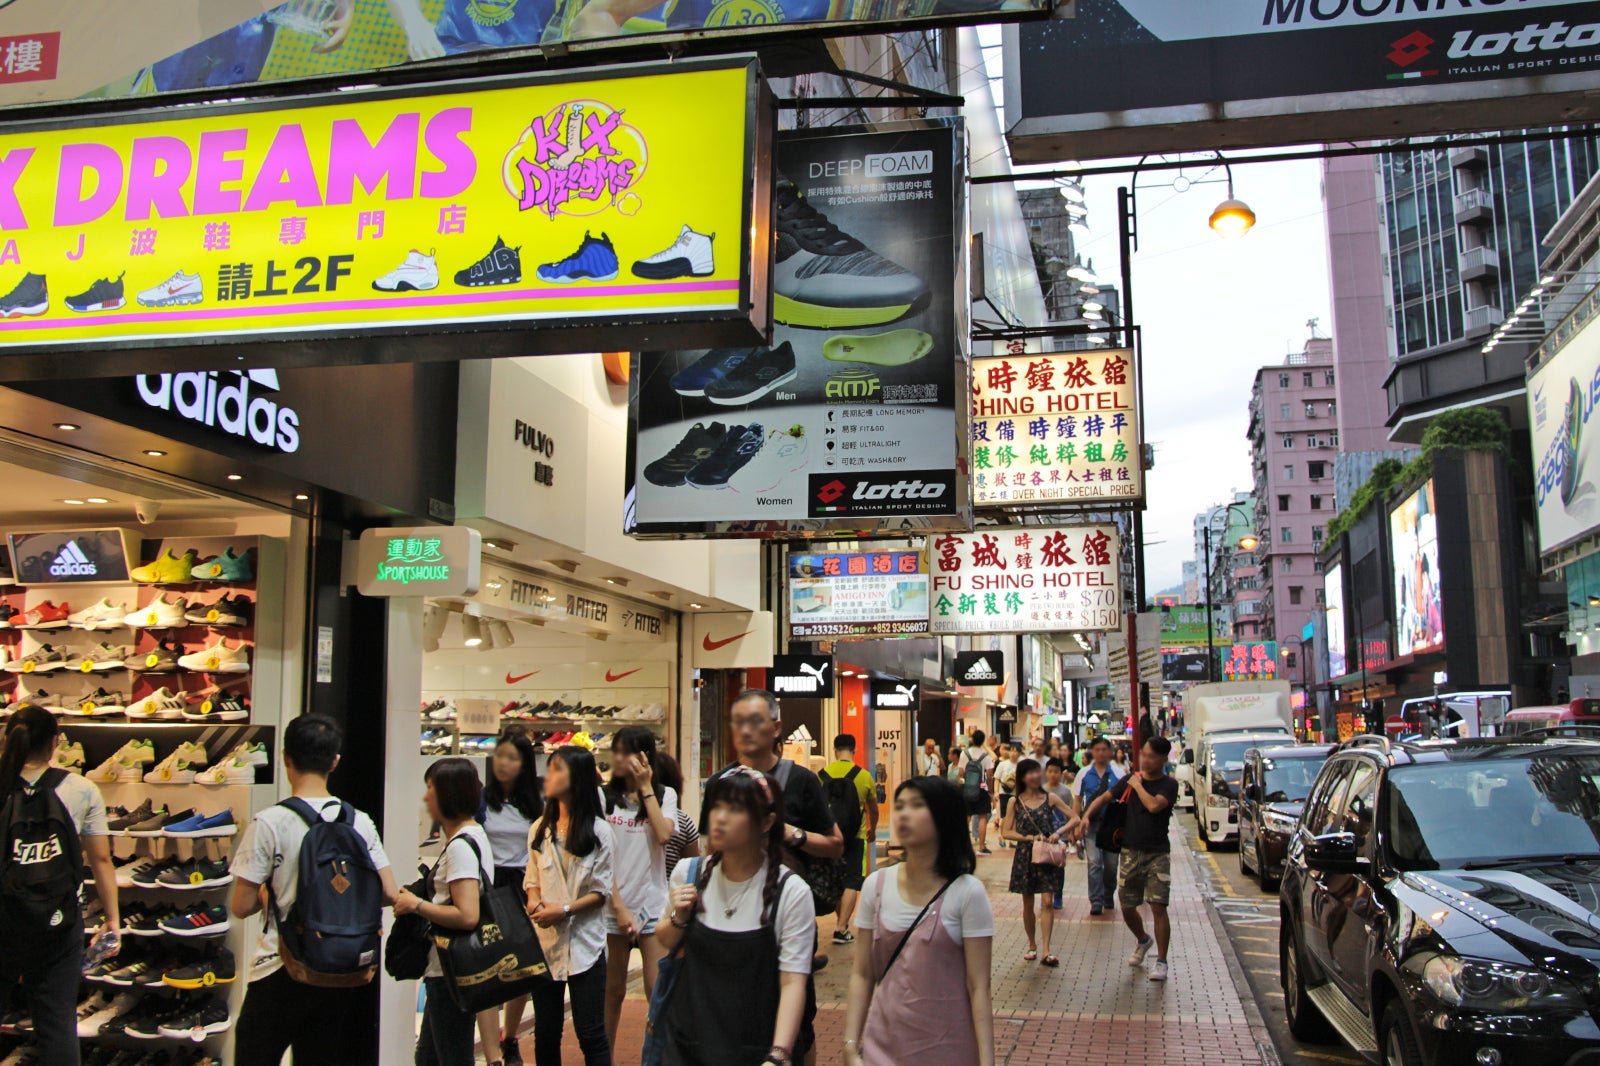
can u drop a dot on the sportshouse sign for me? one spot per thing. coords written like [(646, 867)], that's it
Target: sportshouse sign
[(1126, 77), (516, 208), (421, 561)]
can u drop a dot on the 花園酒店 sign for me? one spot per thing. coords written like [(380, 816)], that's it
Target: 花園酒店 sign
[(524, 205)]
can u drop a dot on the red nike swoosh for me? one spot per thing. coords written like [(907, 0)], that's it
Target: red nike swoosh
[(520, 677), (712, 645), (618, 677)]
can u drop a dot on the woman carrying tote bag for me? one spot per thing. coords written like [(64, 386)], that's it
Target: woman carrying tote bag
[(569, 878)]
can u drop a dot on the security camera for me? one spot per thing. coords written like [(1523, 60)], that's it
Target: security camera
[(146, 511)]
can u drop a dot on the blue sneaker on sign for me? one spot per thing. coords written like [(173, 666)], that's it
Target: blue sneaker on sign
[(595, 260)]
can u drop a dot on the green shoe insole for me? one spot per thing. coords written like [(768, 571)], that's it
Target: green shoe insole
[(895, 348)]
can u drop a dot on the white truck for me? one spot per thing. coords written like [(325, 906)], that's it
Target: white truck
[(1222, 722)]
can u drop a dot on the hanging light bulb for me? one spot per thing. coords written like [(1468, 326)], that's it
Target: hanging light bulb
[(1232, 218), (471, 630)]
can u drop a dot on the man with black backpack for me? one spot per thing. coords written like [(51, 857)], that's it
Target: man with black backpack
[(53, 822), (854, 803), (976, 775), (316, 865)]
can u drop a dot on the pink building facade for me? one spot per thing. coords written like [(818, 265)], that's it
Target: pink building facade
[(1361, 320), (1294, 438)]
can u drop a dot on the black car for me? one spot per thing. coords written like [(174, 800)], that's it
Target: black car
[(1272, 789), (1441, 902)]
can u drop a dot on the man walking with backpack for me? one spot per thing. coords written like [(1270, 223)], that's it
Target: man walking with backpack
[(1098, 778), (854, 803), (53, 822), (976, 774), (326, 881)]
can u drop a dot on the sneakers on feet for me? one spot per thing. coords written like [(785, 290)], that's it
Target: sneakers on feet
[(1136, 958), (1158, 972), (1096, 910), (843, 936)]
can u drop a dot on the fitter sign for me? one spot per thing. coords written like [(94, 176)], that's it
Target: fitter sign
[(496, 204)]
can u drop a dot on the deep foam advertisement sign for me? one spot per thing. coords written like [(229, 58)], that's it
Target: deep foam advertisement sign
[(857, 594), (1054, 428), (849, 418), (504, 204)]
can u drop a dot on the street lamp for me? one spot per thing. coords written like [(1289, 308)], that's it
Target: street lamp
[(1247, 543)]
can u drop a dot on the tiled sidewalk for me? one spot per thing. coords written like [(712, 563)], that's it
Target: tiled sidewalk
[(1093, 1003)]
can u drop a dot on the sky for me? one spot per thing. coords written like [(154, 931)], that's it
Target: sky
[(1213, 312)]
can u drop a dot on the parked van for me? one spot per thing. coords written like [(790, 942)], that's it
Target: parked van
[(1527, 719)]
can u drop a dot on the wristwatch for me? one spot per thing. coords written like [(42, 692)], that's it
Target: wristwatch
[(799, 838), (566, 908)]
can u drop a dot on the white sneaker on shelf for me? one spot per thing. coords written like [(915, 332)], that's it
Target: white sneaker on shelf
[(160, 614), (103, 615), (218, 658), (230, 771), (178, 768), (253, 754), (162, 703)]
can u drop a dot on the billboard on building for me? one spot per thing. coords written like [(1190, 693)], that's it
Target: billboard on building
[(1563, 394), (1250, 661), (1414, 547), (60, 51), (1184, 666), (510, 207), (851, 417), (1184, 625), (1056, 428), (1028, 580), (857, 594), (1126, 77), (1333, 600)]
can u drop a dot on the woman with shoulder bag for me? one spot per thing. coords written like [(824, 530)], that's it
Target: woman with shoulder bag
[(747, 927), (569, 879), (453, 796), (512, 800), (1036, 867), (920, 988)]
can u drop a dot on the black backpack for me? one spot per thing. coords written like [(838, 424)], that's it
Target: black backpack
[(41, 870), (844, 800), (331, 936)]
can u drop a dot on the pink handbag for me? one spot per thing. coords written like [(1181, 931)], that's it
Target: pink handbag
[(1049, 853)]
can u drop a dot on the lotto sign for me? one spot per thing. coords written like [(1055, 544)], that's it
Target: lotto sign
[(857, 594), (499, 204), (1054, 428), (1026, 580)]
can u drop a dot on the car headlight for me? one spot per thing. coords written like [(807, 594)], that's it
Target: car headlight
[(1483, 985), (1279, 823)]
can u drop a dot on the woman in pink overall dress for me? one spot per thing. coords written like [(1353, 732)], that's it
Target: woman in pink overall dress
[(920, 992)]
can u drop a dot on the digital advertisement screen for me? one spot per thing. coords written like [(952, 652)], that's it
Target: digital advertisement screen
[(1414, 544)]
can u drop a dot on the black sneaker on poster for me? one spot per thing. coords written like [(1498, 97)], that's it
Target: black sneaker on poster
[(824, 278), (753, 378), (737, 448), (502, 266), (30, 297), (697, 445), (103, 295)]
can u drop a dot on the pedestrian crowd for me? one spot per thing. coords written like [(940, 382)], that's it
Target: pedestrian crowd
[(546, 884)]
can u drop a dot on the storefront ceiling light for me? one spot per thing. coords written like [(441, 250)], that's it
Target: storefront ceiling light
[(154, 453), (1072, 193), (75, 503), (301, 496), (96, 499), (696, 606), (471, 630), (501, 544), (617, 581), (1093, 305), (1096, 338), (235, 477), (68, 427), (568, 565), (1093, 316)]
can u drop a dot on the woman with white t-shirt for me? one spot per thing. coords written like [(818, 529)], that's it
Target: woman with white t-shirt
[(512, 799), (568, 881), (925, 932), (453, 796), (643, 816), (746, 925)]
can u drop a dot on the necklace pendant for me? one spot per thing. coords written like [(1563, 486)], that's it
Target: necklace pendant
[(727, 912)]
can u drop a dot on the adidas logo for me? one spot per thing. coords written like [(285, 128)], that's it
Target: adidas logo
[(71, 562), (981, 671)]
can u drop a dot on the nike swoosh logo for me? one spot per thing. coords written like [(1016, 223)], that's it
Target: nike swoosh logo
[(520, 677), (712, 645), (626, 673)]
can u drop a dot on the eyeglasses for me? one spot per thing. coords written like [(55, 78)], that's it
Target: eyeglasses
[(751, 722)]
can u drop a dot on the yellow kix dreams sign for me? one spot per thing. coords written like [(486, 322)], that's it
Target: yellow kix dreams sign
[(497, 205)]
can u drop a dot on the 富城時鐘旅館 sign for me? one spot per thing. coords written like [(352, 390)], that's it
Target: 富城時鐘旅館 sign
[(1025, 580), (509, 207)]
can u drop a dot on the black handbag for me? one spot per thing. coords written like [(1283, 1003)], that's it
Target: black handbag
[(1108, 837), (405, 956), (499, 960)]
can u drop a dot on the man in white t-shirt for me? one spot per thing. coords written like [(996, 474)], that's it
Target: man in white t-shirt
[(1005, 771), (279, 1013)]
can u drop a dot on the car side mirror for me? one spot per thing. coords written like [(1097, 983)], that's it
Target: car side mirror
[(1334, 853)]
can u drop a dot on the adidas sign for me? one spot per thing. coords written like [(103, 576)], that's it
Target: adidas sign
[(71, 562), (222, 399), (980, 671)]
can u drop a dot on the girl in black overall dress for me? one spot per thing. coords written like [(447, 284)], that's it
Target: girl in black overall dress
[(746, 926)]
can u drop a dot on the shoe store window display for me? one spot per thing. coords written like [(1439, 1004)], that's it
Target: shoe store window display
[(643, 815), (454, 794), (279, 1013), (513, 800), (54, 822)]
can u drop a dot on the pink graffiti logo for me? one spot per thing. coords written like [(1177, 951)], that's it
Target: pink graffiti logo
[(580, 159)]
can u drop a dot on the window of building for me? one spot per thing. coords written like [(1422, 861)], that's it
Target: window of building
[(1316, 503), (1289, 660), (1316, 567), (1296, 594), (1333, 439), (1320, 595), (1285, 535), (1305, 378), (1312, 441), (1285, 565), (1311, 409), (1283, 410), (1333, 408), (1288, 440), (1283, 381), (1316, 534), (1283, 502), (1317, 470), (1328, 378), (1288, 472)]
